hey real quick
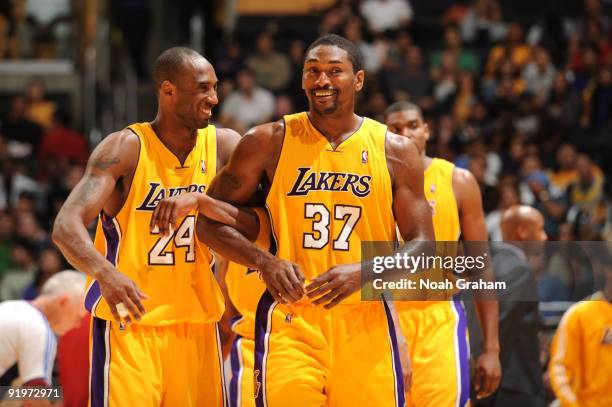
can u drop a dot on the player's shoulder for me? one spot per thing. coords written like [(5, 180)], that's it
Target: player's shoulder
[(266, 135), (463, 177), (400, 147)]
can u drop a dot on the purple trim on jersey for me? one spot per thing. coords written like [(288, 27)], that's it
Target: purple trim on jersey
[(111, 235), (92, 296), (262, 329), (112, 238), (464, 373), (400, 397), (236, 367), (98, 360)]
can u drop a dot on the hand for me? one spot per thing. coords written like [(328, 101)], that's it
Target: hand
[(406, 366), (169, 210), (117, 288), (335, 284), (488, 374), (284, 280)]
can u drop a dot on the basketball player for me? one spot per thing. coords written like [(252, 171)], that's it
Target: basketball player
[(436, 330), (167, 353), (334, 179)]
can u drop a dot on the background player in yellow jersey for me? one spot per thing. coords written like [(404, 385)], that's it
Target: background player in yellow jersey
[(334, 179), (436, 330), (580, 366), (167, 353)]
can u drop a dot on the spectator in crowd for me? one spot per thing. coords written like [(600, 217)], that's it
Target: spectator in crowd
[(581, 352), (50, 20), (597, 99), (466, 60), (247, 106), (539, 75), (566, 172), (6, 235), (586, 195), (513, 48), (14, 182), (521, 383), (483, 22), (404, 71), (272, 69), (22, 134), (28, 329), (384, 15), (373, 53), (508, 197), (562, 105), (444, 81), (38, 109), (49, 264), (16, 280), (230, 61), (60, 148), (465, 98), (28, 227)]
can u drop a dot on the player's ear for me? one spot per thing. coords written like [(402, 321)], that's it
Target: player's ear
[(63, 299), (167, 88), (427, 132), (359, 80)]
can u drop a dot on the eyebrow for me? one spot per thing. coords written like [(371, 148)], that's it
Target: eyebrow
[(333, 61)]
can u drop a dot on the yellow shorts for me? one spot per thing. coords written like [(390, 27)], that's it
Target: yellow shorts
[(436, 333), (306, 356), (151, 366), (242, 383)]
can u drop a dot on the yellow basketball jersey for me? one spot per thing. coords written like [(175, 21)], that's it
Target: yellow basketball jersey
[(244, 287), (324, 202), (441, 198), (174, 271)]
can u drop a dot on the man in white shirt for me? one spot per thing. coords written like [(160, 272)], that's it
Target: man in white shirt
[(383, 15), (28, 328), (247, 106)]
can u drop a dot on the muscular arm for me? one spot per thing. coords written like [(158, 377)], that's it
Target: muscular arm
[(255, 156), (411, 211), (235, 184), (473, 228), (115, 157)]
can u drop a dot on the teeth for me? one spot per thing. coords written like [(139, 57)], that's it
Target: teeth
[(324, 93)]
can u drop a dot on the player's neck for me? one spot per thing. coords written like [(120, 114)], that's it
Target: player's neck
[(178, 139), (335, 127)]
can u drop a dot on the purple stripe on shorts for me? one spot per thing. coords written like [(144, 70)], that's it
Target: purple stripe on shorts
[(400, 398), (464, 373), (98, 360), (261, 330), (235, 363)]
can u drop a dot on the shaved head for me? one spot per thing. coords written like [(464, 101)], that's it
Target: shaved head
[(172, 62), (522, 223)]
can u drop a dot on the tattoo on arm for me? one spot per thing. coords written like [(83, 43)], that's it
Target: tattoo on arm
[(104, 163), (90, 184)]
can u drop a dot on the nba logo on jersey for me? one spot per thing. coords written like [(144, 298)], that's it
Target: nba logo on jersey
[(364, 157), (203, 166)]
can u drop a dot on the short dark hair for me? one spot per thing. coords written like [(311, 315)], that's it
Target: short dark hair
[(170, 62), (340, 42), (401, 106)]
